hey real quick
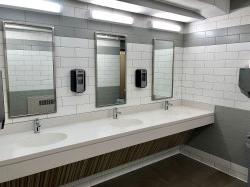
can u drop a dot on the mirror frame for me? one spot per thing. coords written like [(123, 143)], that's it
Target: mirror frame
[(6, 64), (96, 70), (153, 68)]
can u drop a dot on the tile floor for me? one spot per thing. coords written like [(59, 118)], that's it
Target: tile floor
[(176, 171)]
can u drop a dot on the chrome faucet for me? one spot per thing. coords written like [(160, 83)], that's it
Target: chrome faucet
[(37, 126), (115, 113), (167, 104)]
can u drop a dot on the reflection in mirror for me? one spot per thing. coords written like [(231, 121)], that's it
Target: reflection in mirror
[(163, 60), (110, 70), (29, 69)]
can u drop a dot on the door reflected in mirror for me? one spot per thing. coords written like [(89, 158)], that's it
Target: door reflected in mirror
[(110, 70), (29, 69), (163, 62)]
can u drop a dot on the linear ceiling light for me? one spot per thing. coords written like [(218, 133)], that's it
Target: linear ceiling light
[(112, 17), (173, 16), (40, 5), (135, 8), (119, 5), (163, 25)]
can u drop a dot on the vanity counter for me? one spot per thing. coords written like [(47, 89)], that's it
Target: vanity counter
[(91, 138)]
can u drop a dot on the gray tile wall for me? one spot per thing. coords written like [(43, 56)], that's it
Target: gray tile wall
[(82, 28), (237, 34), (225, 138)]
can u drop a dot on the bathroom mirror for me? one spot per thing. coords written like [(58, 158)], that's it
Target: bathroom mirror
[(163, 63), (110, 69), (29, 69)]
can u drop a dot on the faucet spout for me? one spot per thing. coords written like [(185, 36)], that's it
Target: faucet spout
[(167, 104), (115, 113), (37, 126)]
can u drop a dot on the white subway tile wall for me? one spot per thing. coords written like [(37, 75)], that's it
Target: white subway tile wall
[(80, 54), (210, 74)]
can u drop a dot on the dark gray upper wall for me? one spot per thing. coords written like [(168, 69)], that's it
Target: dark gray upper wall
[(236, 4), (82, 28), (237, 34)]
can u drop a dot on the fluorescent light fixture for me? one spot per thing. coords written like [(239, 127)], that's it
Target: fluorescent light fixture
[(163, 25), (40, 5), (112, 17), (118, 5), (173, 16)]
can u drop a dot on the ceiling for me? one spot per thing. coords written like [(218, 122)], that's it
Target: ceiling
[(206, 8), (192, 9), (187, 4)]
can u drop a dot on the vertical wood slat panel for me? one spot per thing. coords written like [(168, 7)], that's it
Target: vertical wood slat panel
[(75, 171)]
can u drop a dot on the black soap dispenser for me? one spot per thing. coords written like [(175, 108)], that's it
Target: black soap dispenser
[(78, 80), (141, 78)]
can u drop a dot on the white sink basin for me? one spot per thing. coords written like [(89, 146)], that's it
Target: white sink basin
[(126, 122), (43, 139)]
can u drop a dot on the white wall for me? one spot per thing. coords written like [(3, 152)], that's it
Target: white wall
[(211, 73)]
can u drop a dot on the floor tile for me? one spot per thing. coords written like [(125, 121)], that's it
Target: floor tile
[(176, 171)]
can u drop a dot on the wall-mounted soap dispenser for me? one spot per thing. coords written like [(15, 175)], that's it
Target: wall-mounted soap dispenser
[(78, 80), (141, 78), (2, 111), (244, 81)]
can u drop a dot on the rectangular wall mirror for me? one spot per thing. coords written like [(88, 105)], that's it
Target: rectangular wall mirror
[(163, 63), (110, 70), (29, 69)]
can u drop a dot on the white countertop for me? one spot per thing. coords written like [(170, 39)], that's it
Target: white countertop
[(90, 132)]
